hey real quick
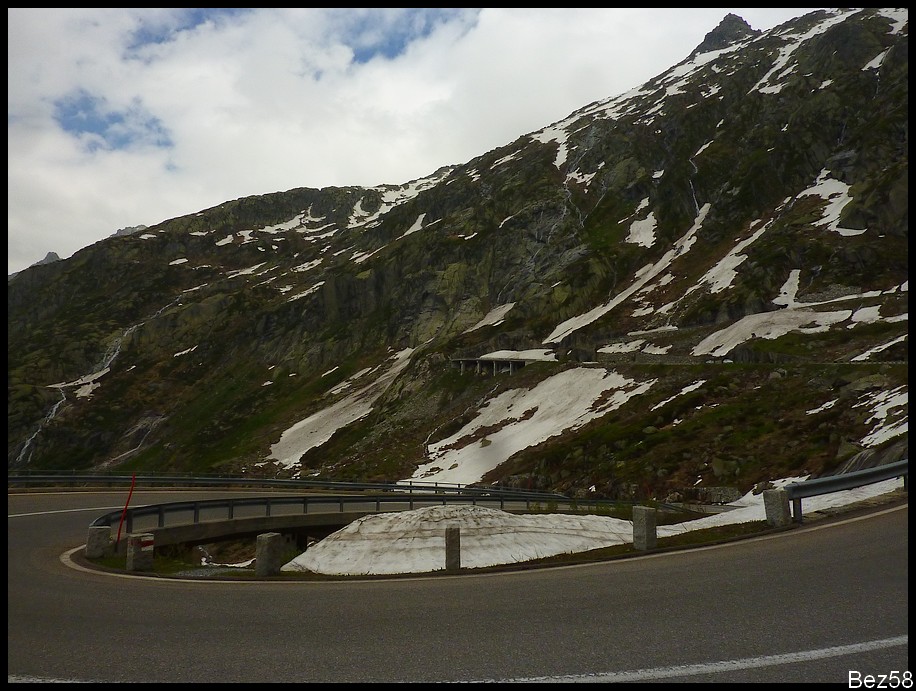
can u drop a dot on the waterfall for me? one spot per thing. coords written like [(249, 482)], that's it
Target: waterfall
[(694, 194), (113, 351), (47, 418), (102, 368)]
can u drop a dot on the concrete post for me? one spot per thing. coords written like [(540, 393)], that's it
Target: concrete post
[(776, 504), (140, 548), (98, 543), (452, 548), (269, 554), (644, 534)]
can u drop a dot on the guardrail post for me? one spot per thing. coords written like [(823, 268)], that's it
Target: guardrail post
[(268, 554), (98, 543), (140, 549), (776, 505), (452, 548), (644, 533)]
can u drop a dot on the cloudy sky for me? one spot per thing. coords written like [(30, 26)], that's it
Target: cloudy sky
[(123, 117)]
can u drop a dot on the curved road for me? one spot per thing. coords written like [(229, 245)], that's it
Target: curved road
[(824, 603)]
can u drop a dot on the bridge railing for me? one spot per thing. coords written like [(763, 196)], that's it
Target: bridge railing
[(194, 512), (65, 477)]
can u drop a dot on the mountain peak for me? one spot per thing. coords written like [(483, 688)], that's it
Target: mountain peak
[(730, 30), (50, 258), (130, 230)]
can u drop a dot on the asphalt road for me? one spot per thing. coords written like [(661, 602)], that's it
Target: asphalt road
[(825, 603)]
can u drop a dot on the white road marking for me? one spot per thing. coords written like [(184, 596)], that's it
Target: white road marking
[(723, 666), (48, 513)]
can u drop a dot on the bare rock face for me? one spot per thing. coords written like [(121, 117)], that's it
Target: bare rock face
[(730, 30), (49, 258)]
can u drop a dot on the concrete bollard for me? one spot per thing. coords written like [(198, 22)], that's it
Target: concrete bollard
[(98, 542), (644, 534), (140, 548), (776, 504), (269, 554), (452, 548)]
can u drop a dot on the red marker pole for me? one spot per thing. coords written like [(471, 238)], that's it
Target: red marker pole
[(133, 481)]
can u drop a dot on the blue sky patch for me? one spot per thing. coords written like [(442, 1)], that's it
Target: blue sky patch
[(387, 33), (184, 19), (87, 117)]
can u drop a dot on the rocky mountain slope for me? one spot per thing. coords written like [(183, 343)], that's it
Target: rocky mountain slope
[(699, 283)]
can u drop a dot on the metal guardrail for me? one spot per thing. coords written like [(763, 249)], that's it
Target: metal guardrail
[(409, 493), (395, 497), (265, 506), (72, 478), (797, 491)]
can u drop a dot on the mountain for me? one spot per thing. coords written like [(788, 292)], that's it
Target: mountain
[(49, 258), (130, 230), (686, 289)]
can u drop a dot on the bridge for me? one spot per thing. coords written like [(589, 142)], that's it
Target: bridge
[(502, 361)]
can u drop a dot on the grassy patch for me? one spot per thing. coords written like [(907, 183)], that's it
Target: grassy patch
[(165, 562)]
